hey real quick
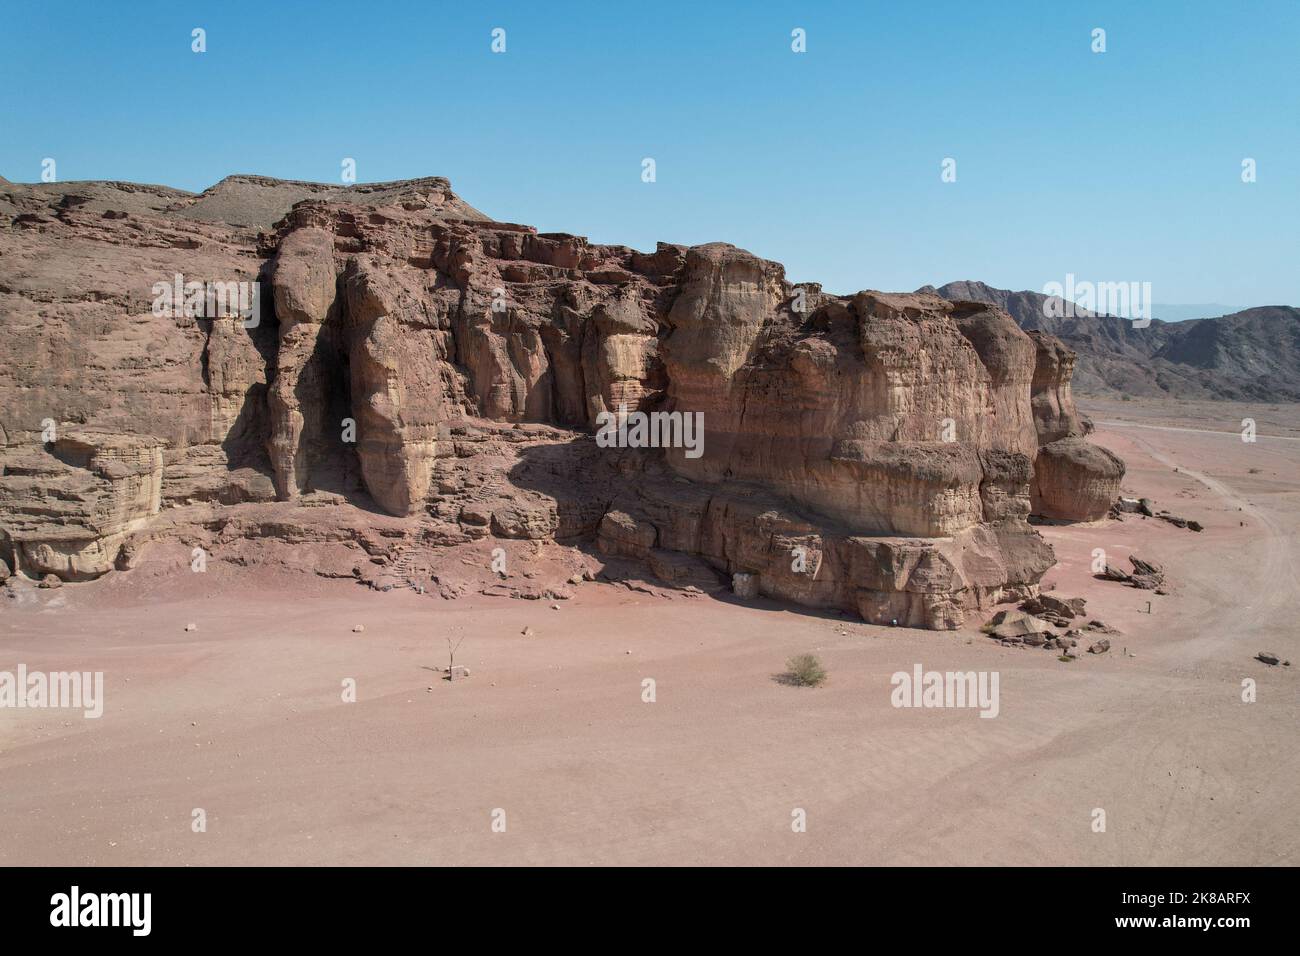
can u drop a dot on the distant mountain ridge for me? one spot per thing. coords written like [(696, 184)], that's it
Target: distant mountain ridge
[(1251, 355), (1171, 312)]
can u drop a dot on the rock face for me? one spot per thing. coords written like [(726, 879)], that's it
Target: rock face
[(72, 508), (1075, 480), (418, 377)]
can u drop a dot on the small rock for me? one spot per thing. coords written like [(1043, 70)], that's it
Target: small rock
[(555, 607), (1268, 657), (50, 581), (1100, 647), (191, 626), (358, 628), (576, 579), (527, 632)]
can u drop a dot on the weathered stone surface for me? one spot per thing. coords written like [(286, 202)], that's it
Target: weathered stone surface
[(1055, 416), (71, 507), (1018, 628), (1075, 480), (422, 378)]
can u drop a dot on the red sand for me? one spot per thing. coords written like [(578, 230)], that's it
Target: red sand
[(244, 718)]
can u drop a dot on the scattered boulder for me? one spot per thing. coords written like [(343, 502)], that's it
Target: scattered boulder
[(1146, 507), (4, 571), (1179, 522), (457, 672), (1017, 626), (1054, 610), (1008, 616), (191, 626), (50, 581), (1146, 575), (1099, 647), (1268, 657), (358, 628)]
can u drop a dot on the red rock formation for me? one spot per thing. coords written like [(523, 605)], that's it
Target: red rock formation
[(874, 452)]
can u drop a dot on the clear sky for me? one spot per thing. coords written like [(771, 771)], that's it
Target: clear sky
[(1116, 166)]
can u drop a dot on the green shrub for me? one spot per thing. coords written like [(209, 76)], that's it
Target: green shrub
[(805, 670)]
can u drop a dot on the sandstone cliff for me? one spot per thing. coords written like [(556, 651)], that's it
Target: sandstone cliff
[(419, 378)]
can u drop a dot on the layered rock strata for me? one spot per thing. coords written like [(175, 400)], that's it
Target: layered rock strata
[(420, 374)]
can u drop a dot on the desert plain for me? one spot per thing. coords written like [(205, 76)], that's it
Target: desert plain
[(551, 737)]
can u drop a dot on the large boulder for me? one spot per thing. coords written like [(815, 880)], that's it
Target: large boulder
[(1075, 480)]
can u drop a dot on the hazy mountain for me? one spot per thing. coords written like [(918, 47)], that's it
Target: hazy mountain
[(1171, 312), (1250, 355)]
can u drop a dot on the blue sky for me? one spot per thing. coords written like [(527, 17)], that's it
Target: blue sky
[(1115, 166)]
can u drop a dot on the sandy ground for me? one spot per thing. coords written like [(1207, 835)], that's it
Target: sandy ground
[(244, 716)]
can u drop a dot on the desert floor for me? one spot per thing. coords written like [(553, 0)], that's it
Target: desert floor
[(244, 716)]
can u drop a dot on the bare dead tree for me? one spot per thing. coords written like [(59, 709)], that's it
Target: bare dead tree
[(451, 653)]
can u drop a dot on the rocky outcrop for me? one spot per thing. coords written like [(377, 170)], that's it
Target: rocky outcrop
[(1075, 480), (1050, 397), (72, 509), (420, 378)]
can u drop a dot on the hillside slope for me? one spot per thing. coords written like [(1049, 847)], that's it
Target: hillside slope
[(1252, 355)]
